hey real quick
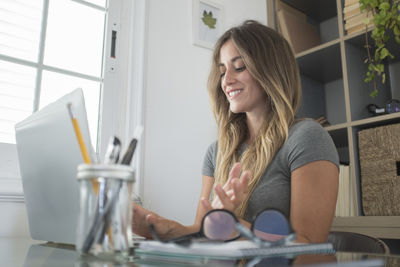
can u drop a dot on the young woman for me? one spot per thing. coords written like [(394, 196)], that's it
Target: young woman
[(291, 165)]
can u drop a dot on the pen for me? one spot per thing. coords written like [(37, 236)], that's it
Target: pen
[(111, 157), (112, 154), (81, 142), (127, 158)]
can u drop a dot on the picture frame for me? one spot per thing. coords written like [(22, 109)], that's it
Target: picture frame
[(207, 22)]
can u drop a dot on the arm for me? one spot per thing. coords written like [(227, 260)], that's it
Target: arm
[(314, 189), (207, 183), (165, 228)]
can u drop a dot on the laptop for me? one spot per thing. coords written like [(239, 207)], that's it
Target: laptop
[(48, 153)]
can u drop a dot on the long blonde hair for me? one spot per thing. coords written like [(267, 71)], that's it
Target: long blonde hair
[(269, 59)]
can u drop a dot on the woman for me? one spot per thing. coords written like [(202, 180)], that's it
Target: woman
[(292, 165)]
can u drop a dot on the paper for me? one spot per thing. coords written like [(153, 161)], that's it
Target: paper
[(234, 249)]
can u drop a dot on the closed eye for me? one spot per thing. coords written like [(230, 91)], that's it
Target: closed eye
[(240, 69)]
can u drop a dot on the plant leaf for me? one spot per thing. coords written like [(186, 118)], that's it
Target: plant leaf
[(384, 6), (208, 19), (384, 53)]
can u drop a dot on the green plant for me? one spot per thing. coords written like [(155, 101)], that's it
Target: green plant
[(386, 18)]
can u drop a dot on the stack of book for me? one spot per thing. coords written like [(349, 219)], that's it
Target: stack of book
[(293, 25), (354, 18), (346, 204)]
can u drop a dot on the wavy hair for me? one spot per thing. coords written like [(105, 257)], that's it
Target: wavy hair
[(270, 60)]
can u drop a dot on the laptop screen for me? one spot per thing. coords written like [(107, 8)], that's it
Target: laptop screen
[(49, 154)]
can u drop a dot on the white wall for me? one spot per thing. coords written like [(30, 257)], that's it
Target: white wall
[(179, 124)]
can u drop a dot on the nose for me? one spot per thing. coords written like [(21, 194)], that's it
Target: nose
[(229, 76)]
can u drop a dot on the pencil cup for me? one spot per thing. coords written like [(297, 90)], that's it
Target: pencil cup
[(105, 210)]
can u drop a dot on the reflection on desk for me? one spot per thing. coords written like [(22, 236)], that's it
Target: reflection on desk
[(25, 252)]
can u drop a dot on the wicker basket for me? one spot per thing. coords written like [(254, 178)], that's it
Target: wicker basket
[(379, 152)]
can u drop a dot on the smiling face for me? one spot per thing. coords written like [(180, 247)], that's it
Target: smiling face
[(241, 89)]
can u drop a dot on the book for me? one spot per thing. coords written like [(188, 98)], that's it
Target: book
[(347, 201), (351, 13), (357, 19), (350, 2), (300, 34), (354, 203), (359, 28), (343, 200), (351, 7), (228, 250)]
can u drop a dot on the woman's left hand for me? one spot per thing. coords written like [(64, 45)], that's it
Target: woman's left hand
[(232, 194)]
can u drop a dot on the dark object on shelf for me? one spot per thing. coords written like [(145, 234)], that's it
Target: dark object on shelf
[(393, 106), (354, 242), (379, 152), (375, 109)]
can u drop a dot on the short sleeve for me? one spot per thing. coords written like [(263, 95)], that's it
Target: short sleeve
[(309, 142), (210, 160)]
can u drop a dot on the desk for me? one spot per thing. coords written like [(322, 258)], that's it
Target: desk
[(29, 253)]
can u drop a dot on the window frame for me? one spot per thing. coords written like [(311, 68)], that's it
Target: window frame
[(121, 95)]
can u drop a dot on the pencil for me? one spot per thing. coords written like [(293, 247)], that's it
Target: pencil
[(85, 154), (81, 142)]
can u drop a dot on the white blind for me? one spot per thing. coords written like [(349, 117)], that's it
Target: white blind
[(20, 27), (47, 49)]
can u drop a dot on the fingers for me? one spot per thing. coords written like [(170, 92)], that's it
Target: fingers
[(234, 173), (225, 200), (240, 187)]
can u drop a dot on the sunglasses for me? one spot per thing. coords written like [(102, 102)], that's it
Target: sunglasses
[(269, 228)]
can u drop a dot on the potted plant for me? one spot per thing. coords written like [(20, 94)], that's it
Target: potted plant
[(386, 18)]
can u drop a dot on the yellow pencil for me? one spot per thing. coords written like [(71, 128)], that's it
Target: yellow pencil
[(85, 153)]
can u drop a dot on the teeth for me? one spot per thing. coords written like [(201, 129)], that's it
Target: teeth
[(233, 93)]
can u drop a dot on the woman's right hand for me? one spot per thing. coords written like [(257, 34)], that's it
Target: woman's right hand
[(140, 226), (165, 228)]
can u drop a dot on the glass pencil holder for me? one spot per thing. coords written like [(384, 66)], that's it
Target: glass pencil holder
[(104, 224)]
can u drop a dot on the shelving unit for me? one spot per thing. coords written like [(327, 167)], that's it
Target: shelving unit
[(333, 76)]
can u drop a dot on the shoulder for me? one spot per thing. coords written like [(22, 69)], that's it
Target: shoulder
[(305, 126), (210, 159), (309, 141), (307, 130), (211, 153), (213, 147)]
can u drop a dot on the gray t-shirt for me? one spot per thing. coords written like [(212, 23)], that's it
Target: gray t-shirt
[(307, 142)]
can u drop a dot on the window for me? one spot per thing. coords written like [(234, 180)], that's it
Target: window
[(50, 47), (47, 49)]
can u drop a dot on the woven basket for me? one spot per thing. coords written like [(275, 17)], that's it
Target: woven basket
[(379, 152)]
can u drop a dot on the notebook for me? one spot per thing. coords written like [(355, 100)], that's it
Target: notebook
[(228, 250), (49, 154)]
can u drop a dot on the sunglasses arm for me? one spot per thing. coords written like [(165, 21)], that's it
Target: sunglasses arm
[(249, 234), (262, 243)]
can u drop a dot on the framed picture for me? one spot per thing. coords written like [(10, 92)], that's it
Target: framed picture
[(207, 23)]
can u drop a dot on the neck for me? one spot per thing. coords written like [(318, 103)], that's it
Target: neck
[(254, 123)]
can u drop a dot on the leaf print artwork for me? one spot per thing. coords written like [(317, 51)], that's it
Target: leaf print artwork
[(208, 19)]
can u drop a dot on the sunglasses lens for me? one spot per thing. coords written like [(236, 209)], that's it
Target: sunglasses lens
[(271, 225), (220, 225)]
